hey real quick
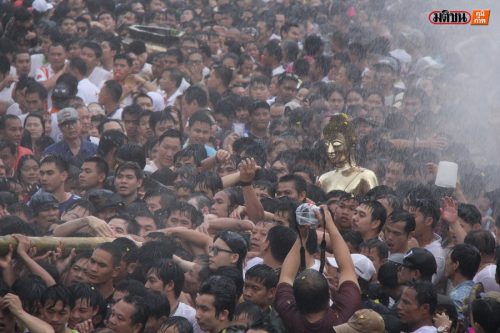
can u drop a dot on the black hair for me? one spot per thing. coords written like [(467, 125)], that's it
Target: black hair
[(264, 274), (132, 153), (401, 215), (132, 286), (252, 311), (299, 182), (209, 180), (483, 240), (312, 45), (223, 291), (132, 225), (34, 87), (100, 163), (86, 292), (181, 324), (168, 271), (4, 64), (134, 110), (114, 88), (224, 74), (236, 243), (185, 208), (380, 246), (61, 164), (469, 214), (468, 258), (234, 274), (152, 251), (136, 47), (95, 47), (112, 249), (125, 57), (56, 293), (29, 288), (195, 151), (157, 117), (273, 48), (378, 212), (139, 173), (200, 116), (157, 304), (257, 152), (226, 108), (485, 313), (310, 289), (198, 94), (110, 140), (141, 312), (425, 294), (8, 144), (175, 75), (424, 199), (281, 240)]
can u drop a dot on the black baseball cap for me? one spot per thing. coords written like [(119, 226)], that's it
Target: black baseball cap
[(420, 259), (42, 201)]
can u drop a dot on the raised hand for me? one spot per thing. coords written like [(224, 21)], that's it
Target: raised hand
[(449, 210)]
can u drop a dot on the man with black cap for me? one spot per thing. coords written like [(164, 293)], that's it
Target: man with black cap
[(45, 211), (416, 264), (72, 148)]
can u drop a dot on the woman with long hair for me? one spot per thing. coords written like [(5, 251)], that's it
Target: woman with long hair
[(28, 175)]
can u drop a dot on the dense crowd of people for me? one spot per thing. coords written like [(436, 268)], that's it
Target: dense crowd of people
[(247, 166)]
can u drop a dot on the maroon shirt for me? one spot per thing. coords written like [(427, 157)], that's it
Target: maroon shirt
[(346, 301)]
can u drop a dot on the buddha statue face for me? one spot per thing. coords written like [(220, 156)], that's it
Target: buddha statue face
[(337, 149)]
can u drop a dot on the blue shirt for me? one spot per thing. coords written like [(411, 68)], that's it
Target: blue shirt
[(87, 149), (458, 295)]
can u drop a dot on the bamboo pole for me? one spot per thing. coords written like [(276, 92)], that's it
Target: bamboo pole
[(48, 243)]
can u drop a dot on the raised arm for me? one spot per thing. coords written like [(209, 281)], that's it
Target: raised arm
[(291, 264), (255, 211), (340, 250), (31, 323), (23, 246)]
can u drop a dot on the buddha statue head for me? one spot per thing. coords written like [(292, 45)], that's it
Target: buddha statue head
[(340, 141)]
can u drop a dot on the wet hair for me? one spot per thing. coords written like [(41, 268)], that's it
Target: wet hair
[(132, 287), (86, 291), (112, 249), (181, 324), (114, 88), (380, 246), (168, 271), (310, 289), (485, 313), (158, 117), (157, 303), (299, 182), (223, 291), (273, 48), (110, 140), (468, 258), (252, 311), (234, 274), (236, 243), (140, 315), (200, 116), (61, 164), (469, 214), (378, 212), (209, 180), (482, 240), (224, 74), (139, 174), (29, 288), (132, 153), (264, 274), (187, 209), (56, 293), (281, 240), (405, 217), (196, 93), (423, 199), (425, 294)]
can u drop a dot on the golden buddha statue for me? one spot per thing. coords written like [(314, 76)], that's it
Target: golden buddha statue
[(340, 144)]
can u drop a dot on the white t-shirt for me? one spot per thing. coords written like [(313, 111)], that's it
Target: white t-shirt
[(439, 253), (487, 277), (37, 60), (186, 311), (99, 75), (87, 91), (426, 329)]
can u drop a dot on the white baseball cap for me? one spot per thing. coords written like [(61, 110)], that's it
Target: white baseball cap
[(362, 265)]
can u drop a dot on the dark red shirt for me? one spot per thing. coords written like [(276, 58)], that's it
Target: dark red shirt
[(346, 301)]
